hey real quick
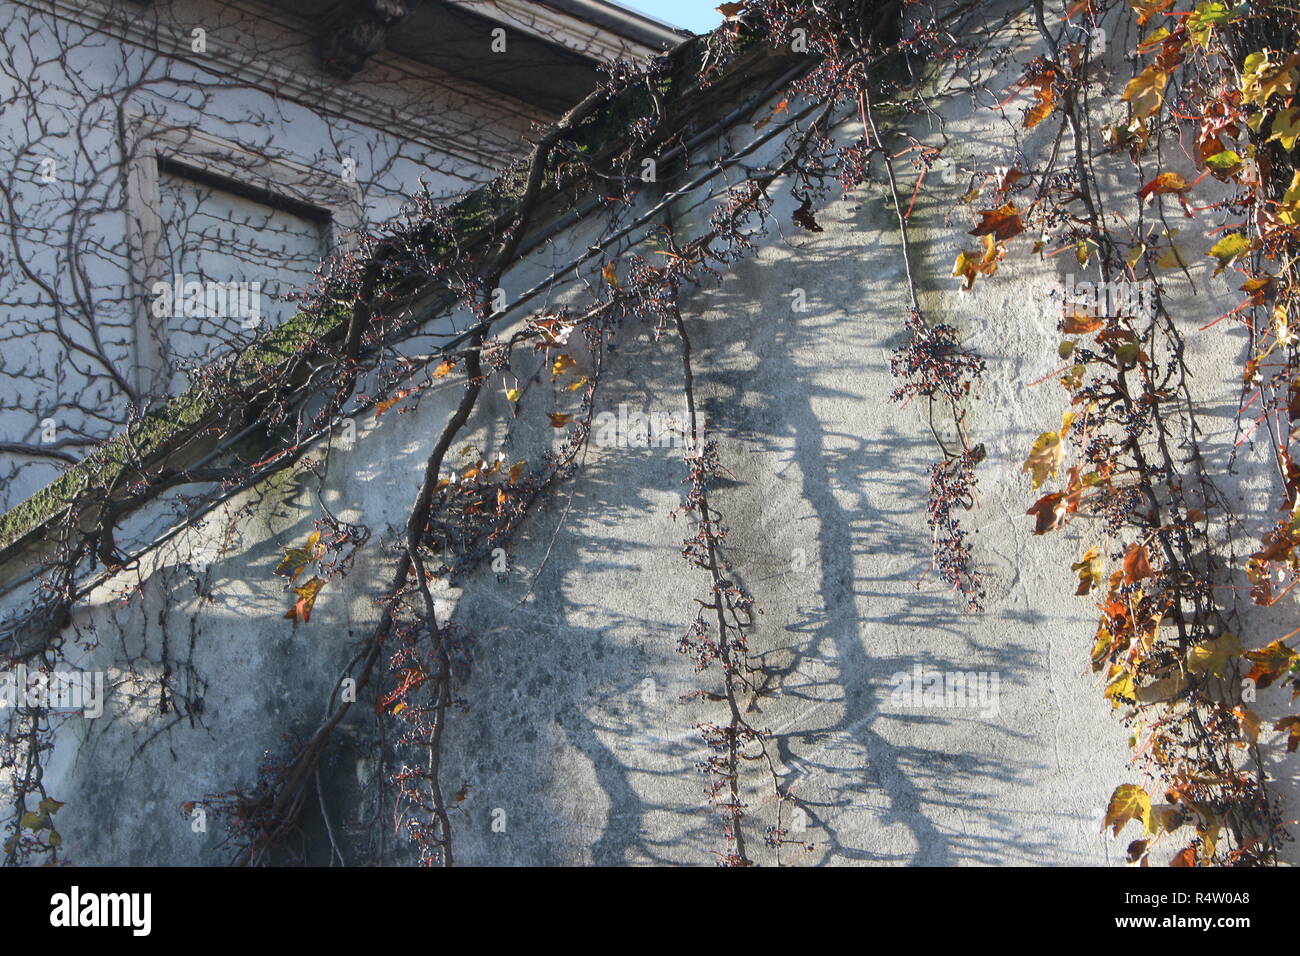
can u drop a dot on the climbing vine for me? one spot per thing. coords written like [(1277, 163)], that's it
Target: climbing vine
[(1210, 122)]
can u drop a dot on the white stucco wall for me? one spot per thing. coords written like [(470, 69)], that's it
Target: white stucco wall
[(573, 726)]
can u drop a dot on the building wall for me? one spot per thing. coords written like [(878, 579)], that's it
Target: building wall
[(574, 735), (93, 92)]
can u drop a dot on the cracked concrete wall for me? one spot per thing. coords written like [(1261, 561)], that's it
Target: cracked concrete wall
[(574, 741)]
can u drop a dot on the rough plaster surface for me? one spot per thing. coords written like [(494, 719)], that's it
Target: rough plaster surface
[(574, 730)]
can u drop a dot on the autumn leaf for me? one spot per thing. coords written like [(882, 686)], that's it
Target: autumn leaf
[(1002, 223), (1270, 662), (1292, 726), (1137, 564), (969, 265), (574, 386), (1045, 92), (1045, 455), (1249, 722), (730, 10), (513, 394), (1262, 78), (1145, 93), (1286, 128), (307, 593), (295, 560), (1184, 857), (1213, 656), (1136, 850), (1089, 569), (1146, 9), (1229, 249), (516, 470), (443, 368), (1120, 689), (563, 362), (1049, 511), (610, 274), (1164, 183), (386, 404), (1224, 163), (1128, 802), (560, 419)]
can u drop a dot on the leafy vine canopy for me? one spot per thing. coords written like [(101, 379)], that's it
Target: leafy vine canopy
[(860, 436)]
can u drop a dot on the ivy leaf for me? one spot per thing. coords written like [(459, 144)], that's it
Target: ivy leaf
[(1184, 857), (610, 274), (1045, 91), (1128, 802), (1137, 564), (1081, 323), (307, 593), (1045, 455), (969, 264), (1292, 726), (1145, 93), (1164, 183), (1229, 249), (1049, 512), (1286, 128), (1146, 9), (1223, 164), (1213, 656), (1249, 722), (1270, 662), (1262, 78), (1089, 569), (295, 560), (1002, 223)]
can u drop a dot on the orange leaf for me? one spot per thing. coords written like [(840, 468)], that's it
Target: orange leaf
[(446, 366), (1164, 183), (1001, 223), (560, 419), (307, 593), (1137, 564)]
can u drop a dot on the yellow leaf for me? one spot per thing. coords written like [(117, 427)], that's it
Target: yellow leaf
[(1213, 656), (1045, 456), (512, 394), (1145, 93), (1121, 689), (563, 362), (1128, 802), (610, 275), (1089, 569), (1262, 77), (574, 386), (1229, 249), (307, 593), (1249, 722), (1286, 128), (446, 366)]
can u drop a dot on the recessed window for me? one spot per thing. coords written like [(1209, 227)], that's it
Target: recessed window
[(222, 236)]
